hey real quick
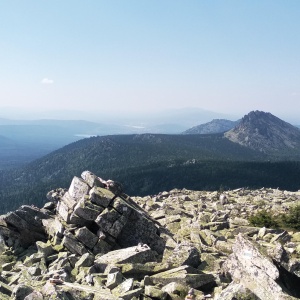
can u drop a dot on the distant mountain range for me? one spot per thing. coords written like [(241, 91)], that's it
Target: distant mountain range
[(31, 139), (261, 150)]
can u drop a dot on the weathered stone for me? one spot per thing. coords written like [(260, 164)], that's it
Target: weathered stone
[(68, 200), (91, 179), (78, 189), (140, 229), (8, 266), (122, 207), (21, 291), (5, 289), (236, 291), (224, 246), (34, 296), (261, 233), (117, 226), (136, 254), (45, 248), (139, 271), (245, 230), (207, 237), (239, 221), (101, 196), (49, 290), (76, 220), (296, 237), (34, 271), (86, 210), (49, 206), (101, 247), (170, 219), (63, 211), (215, 226), (175, 290), (55, 195), (156, 293), (72, 244), (25, 234), (107, 218), (184, 255), (124, 287), (53, 227), (131, 295), (3, 246), (111, 269), (86, 260), (158, 214), (31, 217), (114, 279), (184, 274), (85, 236), (250, 267)]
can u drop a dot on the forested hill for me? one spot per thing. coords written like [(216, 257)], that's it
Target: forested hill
[(147, 164)]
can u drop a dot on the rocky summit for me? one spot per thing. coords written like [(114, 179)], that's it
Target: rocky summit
[(264, 132), (95, 242)]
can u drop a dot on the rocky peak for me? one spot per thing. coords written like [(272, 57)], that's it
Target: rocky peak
[(263, 131)]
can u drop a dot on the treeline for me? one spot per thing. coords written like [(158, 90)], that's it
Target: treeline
[(148, 164), (157, 177)]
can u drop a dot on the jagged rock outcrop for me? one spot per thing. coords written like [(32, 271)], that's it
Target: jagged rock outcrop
[(94, 242), (250, 267), (262, 131)]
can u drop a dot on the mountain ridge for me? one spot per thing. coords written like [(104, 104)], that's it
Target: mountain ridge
[(156, 161), (264, 132), (214, 126)]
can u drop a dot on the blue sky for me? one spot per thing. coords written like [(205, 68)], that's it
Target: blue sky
[(143, 56)]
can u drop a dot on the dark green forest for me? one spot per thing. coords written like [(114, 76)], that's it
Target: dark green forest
[(148, 164)]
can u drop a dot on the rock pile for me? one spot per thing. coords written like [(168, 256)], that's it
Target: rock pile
[(94, 242)]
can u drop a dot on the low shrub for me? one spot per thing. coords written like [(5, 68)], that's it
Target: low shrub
[(291, 220), (263, 218)]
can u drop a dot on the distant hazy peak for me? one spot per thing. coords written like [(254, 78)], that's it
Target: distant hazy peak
[(214, 126)]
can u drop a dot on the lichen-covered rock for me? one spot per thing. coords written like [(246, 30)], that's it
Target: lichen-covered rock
[(155, 292), (184, 274), (249, 266), (21, 291), (94, 242), (137, 254)]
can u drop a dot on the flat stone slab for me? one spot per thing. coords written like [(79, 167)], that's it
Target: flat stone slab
[(184, 274), (136, 254)]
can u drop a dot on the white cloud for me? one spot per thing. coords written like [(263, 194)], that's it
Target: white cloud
[(47, 81)]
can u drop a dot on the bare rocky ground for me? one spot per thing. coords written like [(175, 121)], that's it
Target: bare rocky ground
[(94, 242)]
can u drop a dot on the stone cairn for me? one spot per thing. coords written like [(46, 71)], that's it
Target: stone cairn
[(94, 242)]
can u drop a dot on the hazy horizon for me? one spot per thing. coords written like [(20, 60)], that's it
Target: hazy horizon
[(185, 117), (145, 57)]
